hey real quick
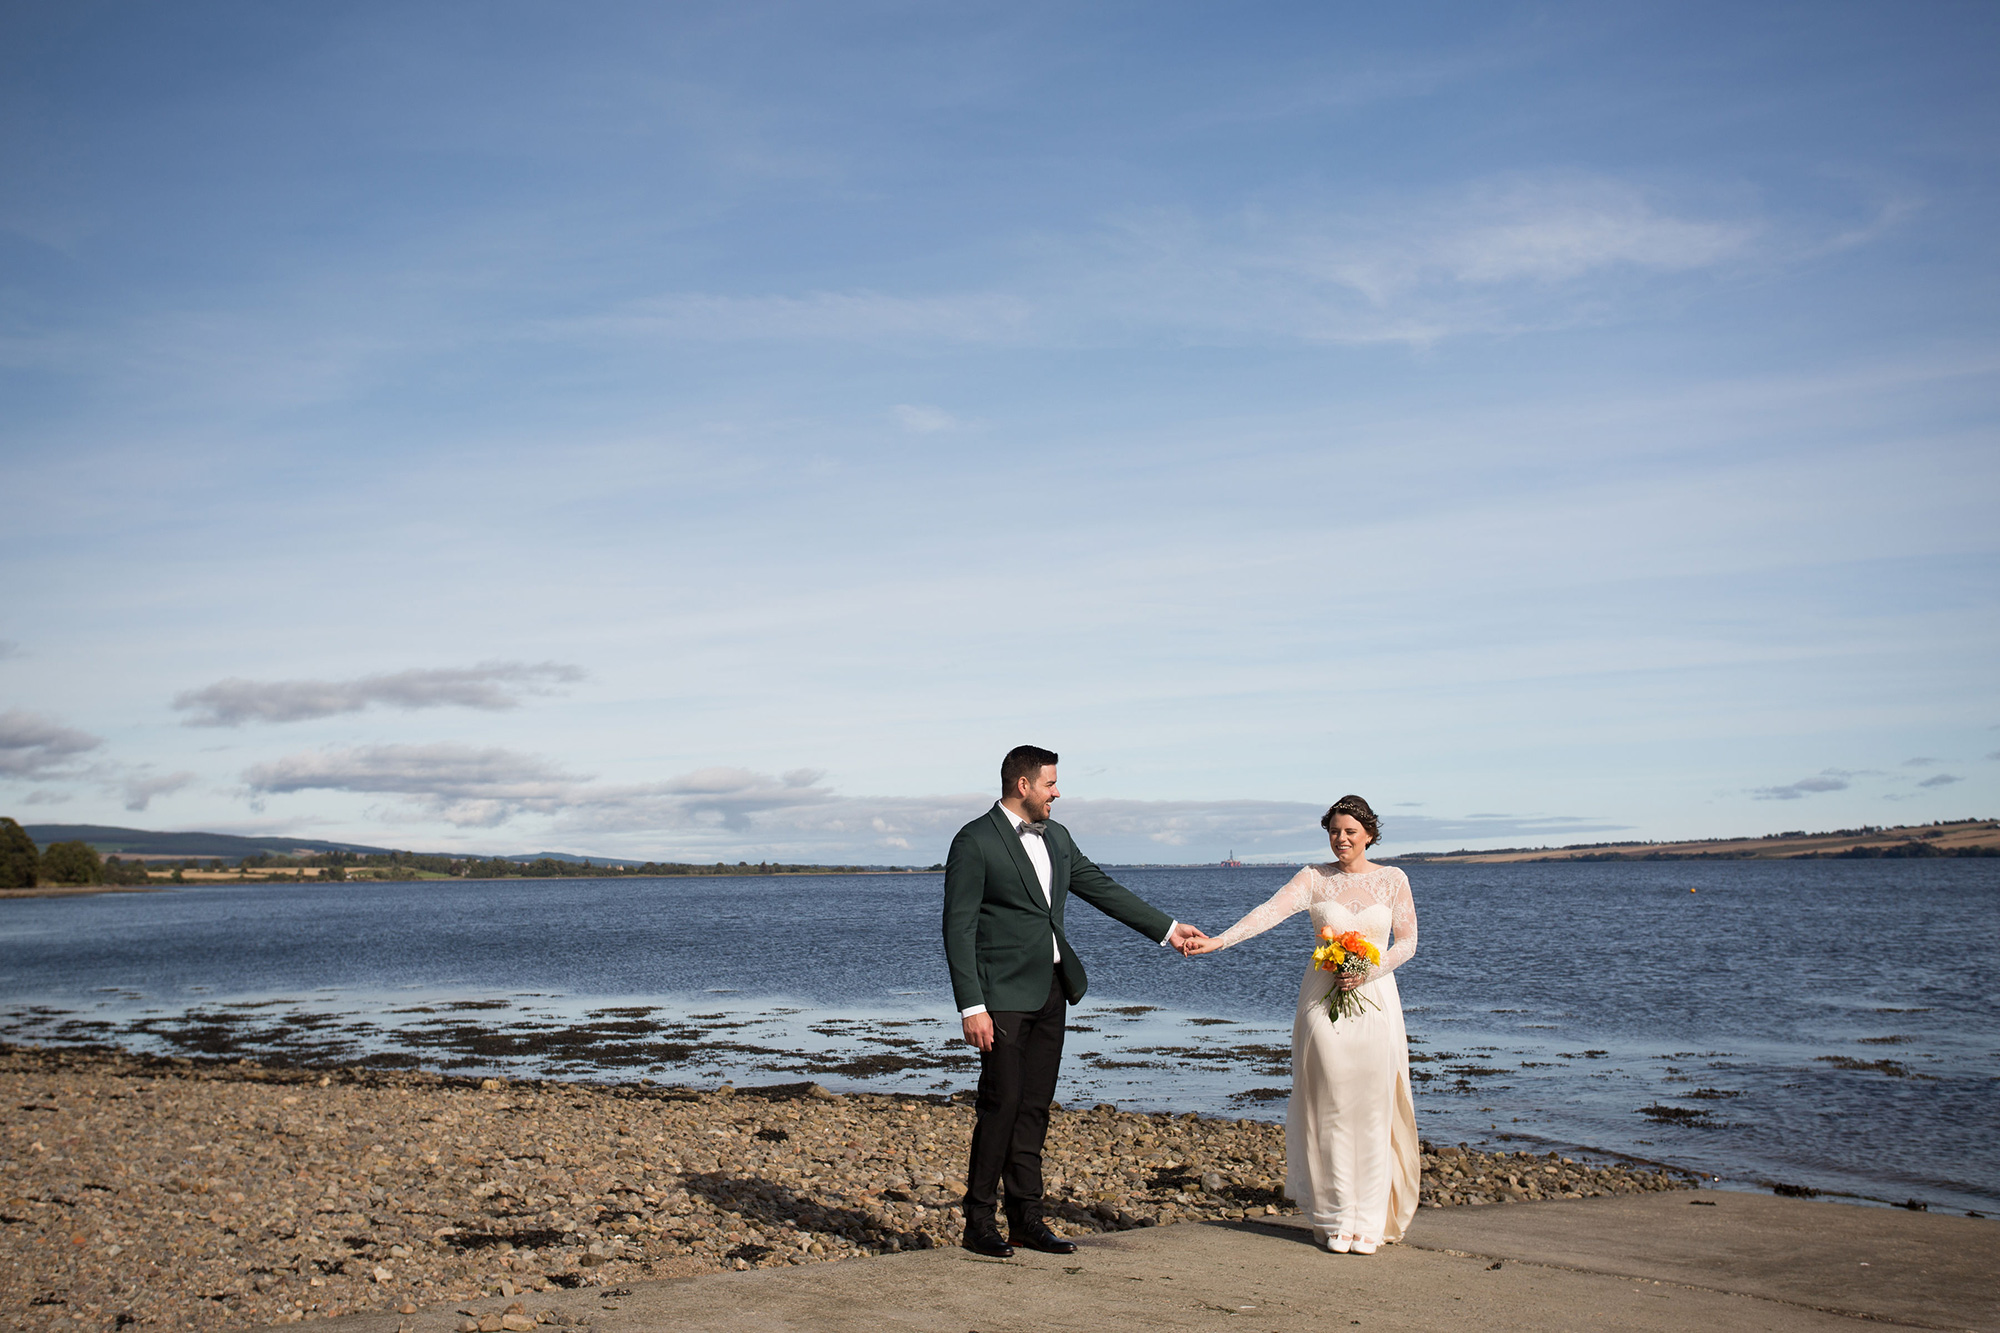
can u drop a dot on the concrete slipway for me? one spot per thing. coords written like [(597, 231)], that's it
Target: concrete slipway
[(1680, 1260)]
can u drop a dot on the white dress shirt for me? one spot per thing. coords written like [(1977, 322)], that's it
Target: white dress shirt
[(1037, 848)]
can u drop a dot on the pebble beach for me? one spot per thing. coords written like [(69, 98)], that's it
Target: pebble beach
[(177, 1193)]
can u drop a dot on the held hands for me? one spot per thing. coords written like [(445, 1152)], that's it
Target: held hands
[(1186, 939), (1205, 944)]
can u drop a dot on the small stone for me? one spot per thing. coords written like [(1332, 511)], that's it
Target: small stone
[(517, 1323), (468, 1326), (490, 1323), (382, 1274), (1212, 1182), (406, 1307)]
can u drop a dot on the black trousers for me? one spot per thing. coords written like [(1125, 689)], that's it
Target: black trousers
[(1017, 1081)]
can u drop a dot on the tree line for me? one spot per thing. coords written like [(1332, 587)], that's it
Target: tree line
[(24, 866)]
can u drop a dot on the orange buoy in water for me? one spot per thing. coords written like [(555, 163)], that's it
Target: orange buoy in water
[(1690, 890)]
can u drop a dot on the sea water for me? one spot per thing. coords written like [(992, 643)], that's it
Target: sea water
[(1822, 1024)]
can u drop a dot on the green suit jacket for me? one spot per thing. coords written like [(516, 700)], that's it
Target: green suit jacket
[(997, 927)]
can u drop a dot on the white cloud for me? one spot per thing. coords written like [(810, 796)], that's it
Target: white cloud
[(492, 686), (31, 745)]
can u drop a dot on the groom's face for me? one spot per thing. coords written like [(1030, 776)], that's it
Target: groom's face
[(1041, 793)]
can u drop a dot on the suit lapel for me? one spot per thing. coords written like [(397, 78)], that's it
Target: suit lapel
[(1031, 883)]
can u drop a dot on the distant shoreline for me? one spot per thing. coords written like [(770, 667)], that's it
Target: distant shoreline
[(1970, 837), (1960, 838)]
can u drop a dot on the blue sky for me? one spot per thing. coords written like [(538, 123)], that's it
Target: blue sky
[(721, 431)]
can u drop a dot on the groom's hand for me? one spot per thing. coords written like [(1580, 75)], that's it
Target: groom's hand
[(1183, 936), (979, 1031)]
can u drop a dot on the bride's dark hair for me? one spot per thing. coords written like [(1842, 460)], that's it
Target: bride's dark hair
[(1357, 810)]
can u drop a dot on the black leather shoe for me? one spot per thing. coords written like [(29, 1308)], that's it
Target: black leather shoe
[(985, 1238), (1036, 1235)]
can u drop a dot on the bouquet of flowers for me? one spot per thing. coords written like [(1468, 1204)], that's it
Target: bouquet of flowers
[(1347, 955)]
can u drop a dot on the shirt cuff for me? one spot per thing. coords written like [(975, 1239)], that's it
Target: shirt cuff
[(1170, 933), (975, 1009)]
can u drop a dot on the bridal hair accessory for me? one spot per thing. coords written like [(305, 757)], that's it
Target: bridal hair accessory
[(1040, 830), (1348, 955)]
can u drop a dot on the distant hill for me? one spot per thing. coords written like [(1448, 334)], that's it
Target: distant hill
[(143, 842)]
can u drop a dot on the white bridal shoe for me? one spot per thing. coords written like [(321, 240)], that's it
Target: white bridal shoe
[(1333, 1244), (1362, 1246)]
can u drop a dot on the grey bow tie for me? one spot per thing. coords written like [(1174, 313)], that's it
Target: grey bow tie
[(1040, 830)]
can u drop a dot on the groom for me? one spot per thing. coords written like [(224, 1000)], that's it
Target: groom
[(1006, 880)]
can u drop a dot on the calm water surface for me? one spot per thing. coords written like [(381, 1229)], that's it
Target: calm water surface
[(1828, 1024)]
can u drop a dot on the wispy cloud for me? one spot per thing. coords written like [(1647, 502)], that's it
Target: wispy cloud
[(1921, 761), (460, 784), (739, 810), (140, 789), (843, 316), (920, 420), (9, 648), (32, 745), (1940, 780), (492, 686), (1500, 254), (1495, 256), (1831, 779), (1523, 230)]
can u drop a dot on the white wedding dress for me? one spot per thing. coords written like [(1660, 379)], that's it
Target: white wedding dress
[(1351, 1158)]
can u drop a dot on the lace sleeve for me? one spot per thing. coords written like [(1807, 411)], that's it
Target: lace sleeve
[(1402, 930), (1288, 901)]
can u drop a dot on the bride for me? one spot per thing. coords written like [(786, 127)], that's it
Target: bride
[(1350, 1127)]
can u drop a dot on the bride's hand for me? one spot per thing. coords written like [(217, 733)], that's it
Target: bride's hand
[(1206, 944), (1347, 981)]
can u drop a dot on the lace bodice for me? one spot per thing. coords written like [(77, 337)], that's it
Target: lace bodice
[(1376, 902)]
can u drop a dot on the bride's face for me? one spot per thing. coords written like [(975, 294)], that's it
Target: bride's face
[(1347, 837)]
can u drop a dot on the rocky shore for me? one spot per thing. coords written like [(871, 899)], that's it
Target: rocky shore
[(183, 1194)]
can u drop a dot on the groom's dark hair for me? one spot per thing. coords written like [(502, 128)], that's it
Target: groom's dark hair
[(1023, 761)]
